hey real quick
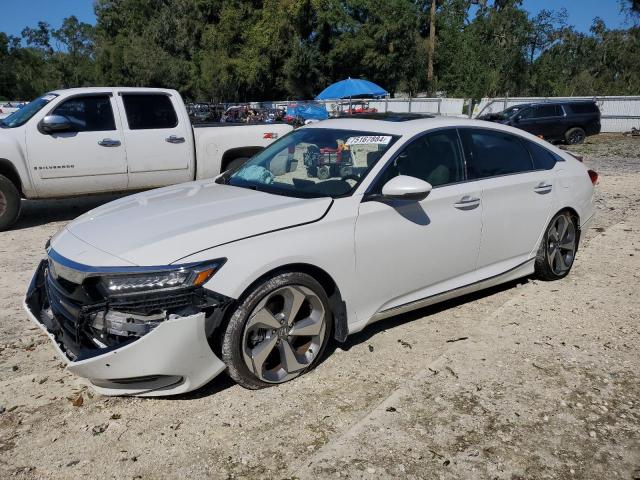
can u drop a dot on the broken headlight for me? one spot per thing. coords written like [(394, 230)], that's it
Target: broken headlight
[(164, 278)]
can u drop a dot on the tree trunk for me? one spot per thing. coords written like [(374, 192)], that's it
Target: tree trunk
[(432, 47)]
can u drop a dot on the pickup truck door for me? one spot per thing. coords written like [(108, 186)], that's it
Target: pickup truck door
[(158, 138), (89, 157)]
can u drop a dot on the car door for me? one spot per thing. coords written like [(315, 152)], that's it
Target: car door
[(516, 198), (548, 121), (409, 250), (89, 157), (526, 120), (158, 140)]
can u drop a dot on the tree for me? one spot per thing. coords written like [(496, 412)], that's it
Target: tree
[(241, 50)]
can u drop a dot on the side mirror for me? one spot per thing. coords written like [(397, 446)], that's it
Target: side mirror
[(404, 187), (55, 123)]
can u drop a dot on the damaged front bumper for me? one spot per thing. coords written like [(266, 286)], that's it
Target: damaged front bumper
[(168, 356)]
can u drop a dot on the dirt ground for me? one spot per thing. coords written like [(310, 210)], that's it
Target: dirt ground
[(532, 380)]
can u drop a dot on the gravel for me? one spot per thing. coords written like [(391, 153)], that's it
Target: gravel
[(545, 383)]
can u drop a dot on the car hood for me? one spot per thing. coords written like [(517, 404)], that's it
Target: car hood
[(162, 226)]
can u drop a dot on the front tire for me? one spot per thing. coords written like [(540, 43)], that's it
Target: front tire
[(558, 249), (278, 332), (9, 203)]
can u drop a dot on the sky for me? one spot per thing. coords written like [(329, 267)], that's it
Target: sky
[(17, 14)]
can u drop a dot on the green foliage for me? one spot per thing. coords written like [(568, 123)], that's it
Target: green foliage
[(238, 50)]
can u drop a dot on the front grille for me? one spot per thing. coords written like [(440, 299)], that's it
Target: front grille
[(148, 303), (73, 307), (70, 306)]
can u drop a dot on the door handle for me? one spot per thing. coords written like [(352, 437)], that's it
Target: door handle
[(108, 142), (174, 139), (543, 188), (467, 203)]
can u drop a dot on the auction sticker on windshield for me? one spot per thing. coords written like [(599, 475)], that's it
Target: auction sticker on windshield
[(369, 140)]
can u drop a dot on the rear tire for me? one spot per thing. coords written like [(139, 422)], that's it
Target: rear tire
[(9, 203), (558, 249), (278, 332), (575, 136), (236, 163)]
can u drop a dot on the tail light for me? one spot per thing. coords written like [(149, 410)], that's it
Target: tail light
[(593, 175), (270, 136)]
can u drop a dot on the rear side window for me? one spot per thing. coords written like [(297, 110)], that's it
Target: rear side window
[(583, 107), (543, 159), (88, 114), (543, 111), (492, 153), (145, 111)]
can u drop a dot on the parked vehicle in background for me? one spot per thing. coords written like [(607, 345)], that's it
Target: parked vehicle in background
[(570, 122), (353, 107), (159, 292), (205, 112), (96, 140)]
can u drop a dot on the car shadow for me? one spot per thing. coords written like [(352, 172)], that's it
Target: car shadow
[(40, 212), (217, 385), (392, 322), (223, 382)]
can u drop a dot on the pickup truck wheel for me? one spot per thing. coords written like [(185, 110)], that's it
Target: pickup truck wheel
[(574, 136), (236, 163), (9, 203), (278, 332)]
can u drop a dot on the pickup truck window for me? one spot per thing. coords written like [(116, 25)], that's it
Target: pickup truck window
[(88, 114), (149, 111), (22, 116)]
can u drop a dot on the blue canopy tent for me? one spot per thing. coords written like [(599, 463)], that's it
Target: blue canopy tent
[(308, 111), (352, 88)]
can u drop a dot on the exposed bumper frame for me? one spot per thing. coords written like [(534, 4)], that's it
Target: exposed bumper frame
[(173, 358)]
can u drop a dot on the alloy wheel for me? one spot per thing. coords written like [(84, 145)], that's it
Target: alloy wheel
[(576, 137), (561, 244), (284, 334)]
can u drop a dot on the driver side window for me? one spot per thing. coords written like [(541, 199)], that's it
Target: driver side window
[(88, 114), (435, 158)]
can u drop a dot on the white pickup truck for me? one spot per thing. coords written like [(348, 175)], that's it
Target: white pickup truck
[(95, 140)]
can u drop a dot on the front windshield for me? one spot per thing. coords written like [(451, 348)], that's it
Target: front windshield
[(22, 116), (313, 162)]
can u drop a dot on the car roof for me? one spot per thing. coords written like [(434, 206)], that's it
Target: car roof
[(552, 102), (406, 127), (81, 90)]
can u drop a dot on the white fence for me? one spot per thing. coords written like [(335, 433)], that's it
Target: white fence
[(619, 114)]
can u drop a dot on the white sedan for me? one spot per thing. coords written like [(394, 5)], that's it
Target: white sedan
[(336, 225)]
